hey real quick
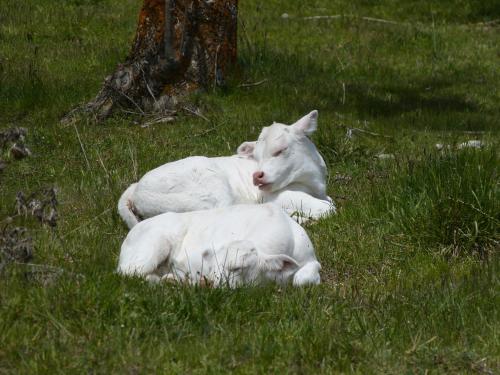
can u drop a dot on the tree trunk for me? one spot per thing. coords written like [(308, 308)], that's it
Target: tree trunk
[(179, 46)]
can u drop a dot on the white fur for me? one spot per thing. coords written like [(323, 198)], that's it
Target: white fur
[(295, 179), (241, 244)]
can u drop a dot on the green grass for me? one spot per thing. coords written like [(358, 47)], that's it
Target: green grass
[(410, 263), (448, 200)]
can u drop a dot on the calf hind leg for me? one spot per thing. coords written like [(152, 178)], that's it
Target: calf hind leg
[(144, 259)]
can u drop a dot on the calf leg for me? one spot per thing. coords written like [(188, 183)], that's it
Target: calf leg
[(304, 207), (308, 274), (143, 252)]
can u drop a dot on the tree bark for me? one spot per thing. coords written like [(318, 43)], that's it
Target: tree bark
[(180, 46)]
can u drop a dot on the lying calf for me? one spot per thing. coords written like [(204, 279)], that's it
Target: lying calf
[(283, 166), (242, 244)]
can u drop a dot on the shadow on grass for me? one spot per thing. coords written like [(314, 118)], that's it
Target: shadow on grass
[(388, 100), (374, 91), (371, 90)]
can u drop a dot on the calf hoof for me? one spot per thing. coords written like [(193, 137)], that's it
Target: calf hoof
[(153, 279)]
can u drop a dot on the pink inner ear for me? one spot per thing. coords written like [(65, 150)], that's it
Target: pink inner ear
[(289, 264), (308, 123), (246, 149)]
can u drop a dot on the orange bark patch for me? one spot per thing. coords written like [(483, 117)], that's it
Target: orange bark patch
[(179, 46)]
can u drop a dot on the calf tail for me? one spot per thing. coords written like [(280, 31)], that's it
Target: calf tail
[(125, 207)]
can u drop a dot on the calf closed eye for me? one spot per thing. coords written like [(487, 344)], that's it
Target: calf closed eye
[(279, 152)]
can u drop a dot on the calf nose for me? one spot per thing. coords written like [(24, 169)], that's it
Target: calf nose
[(258, 177)]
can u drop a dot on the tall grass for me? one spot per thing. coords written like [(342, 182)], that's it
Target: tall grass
[(448, 201)]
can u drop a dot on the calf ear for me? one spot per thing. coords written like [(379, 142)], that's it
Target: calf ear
[(280, 263), (307, 124), (246, 149), (240, 255)]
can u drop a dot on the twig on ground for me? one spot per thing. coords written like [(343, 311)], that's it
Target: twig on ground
[(381, 20), (253, 84), (196, 113), (131, 112), (488, 23), (81, 146), (351, 130), (129, 98), (70, 117), (333, 17), (147, 86), (340, 16), (157, 120), (205, 132), (134, 161), (102, 164)]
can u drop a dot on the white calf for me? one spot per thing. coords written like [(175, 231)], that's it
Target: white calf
[(241, 244), (282, 166)]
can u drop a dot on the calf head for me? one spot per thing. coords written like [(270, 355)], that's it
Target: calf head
[(286, 156), (241, 263)]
